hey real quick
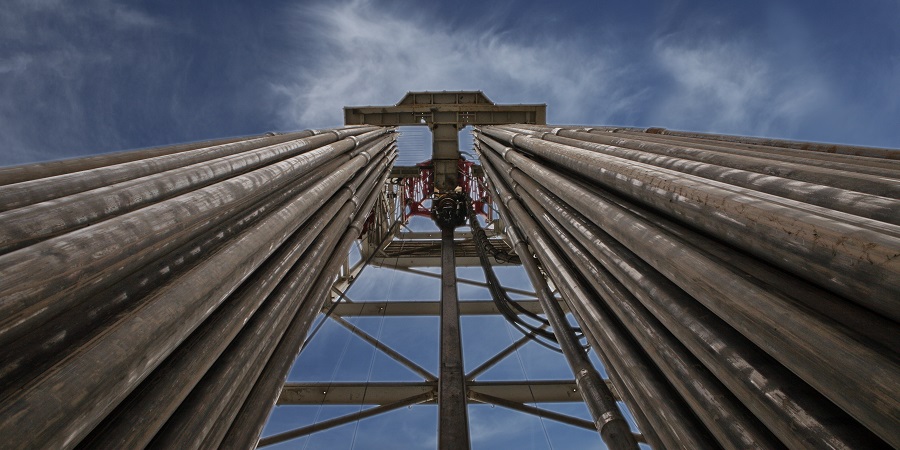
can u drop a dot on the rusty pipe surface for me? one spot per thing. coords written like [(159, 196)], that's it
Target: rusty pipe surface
[(137, 419), (781, 326), (674, 424), (24, 226), (796, 413), (89, 259), (162, 323), (852, 256), (247, 425), (818, 193), (34, 191)]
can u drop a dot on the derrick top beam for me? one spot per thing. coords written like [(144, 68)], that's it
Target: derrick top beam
[(445, 113), (457, 108)]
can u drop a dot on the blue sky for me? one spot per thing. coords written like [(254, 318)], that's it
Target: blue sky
[(91, 76), (99, 75)]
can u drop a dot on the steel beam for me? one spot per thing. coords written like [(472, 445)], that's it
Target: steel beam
[(380, 393), (331, 423), (425, 308), (453, 422)]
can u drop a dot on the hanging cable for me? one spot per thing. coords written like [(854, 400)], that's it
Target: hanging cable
[(508, 308)]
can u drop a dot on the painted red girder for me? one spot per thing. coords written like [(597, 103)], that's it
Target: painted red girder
[(418, 191)]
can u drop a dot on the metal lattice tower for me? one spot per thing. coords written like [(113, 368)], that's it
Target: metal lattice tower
[(740, 292)]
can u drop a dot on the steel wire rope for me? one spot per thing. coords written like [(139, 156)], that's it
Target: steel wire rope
[(343, 295), (389, 290), (371, 368), (330, 384), (501, 299), (530, 391)]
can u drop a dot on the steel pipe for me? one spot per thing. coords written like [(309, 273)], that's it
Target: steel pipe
[(78, 264), (24, 226), (849, 255), (740, 174), (173, 327), (30, 192), (608, 420), (672, 422), (244, 430), (788, 319)]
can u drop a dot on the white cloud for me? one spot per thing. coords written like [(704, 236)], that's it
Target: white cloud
[(731, 85), (371, 56)]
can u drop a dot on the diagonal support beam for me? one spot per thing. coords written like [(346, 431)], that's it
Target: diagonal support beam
[(395, 355), (465, 281), (426, 308), (501, 355), (521, 407), (331, 423)]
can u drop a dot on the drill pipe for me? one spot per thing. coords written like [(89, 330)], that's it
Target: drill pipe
[(599, 399), (33, 171), (798, 415), (855, 375), (35, 352), (869, 152), (228, 381), (58, 408), (732, 425), (671, 421), (668, 156), (135, 422), (78, 264), (24, 226), (34, 191), (852, 164), (849, 255), (248, 423)]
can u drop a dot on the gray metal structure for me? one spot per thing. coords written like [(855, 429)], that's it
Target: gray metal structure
[(740, 292)]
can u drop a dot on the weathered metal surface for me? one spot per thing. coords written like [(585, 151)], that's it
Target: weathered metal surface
[(33, 171), (639, 382), (118, 358), (424, 308), (756, 310), (453, 417), (247, 424), (752, 173), (608, 419), (787, 405), (870, 152), (445, 113), (379, 393)]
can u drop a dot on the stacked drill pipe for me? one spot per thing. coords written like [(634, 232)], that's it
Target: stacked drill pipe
[(742, 293), (159, 300)]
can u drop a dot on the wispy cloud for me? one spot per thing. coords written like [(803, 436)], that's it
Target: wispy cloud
[(727, 86), (368, 55), (52, 51)]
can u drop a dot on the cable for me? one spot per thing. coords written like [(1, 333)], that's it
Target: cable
[(509, 309)]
